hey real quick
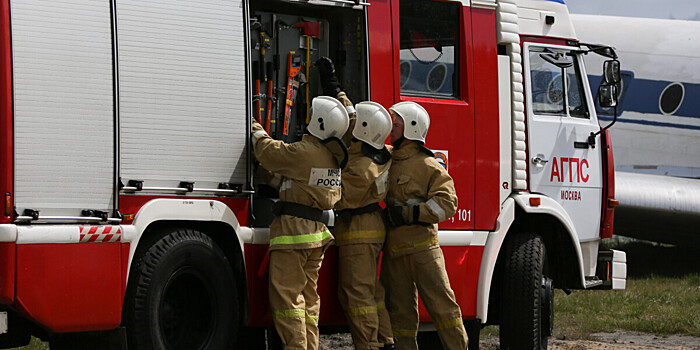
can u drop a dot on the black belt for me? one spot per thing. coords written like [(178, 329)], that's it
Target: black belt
[(347, 214), (298, 210)]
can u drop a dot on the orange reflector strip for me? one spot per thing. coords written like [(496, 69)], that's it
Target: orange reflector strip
[(612, 203), (8, 204), (535, 201), (128, 217)]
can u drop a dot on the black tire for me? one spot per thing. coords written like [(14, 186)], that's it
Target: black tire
[(183, 295), (429, 340), (526, 300)]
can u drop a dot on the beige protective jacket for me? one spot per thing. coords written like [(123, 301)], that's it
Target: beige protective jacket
[(310, 176), (416, 178), (364, 183)]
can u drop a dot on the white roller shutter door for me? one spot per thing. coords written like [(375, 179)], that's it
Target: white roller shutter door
[(64, 105), (182, 92)]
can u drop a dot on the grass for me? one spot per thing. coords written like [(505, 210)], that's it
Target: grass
[(35, 344), (656, 305)]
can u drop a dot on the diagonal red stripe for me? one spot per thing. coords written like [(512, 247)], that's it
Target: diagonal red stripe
[(92, 238), (93, 229)]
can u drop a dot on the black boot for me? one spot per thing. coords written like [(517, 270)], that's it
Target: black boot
[(388, 347)]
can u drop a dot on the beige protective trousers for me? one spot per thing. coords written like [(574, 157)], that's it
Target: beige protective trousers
[(362, 295), (293, 297), (423, 271)]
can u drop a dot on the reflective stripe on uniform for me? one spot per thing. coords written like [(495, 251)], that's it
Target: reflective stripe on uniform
[(257, 135), (405, 333), (405, 246), (299, 239), (360, 234), (358, 311), (448, 324), (436, 209), (381, 305), (289, 313), (276, 180), (286, 185), (311, 319)]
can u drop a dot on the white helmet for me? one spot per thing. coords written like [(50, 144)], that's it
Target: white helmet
[(329, 118), (415, 120), (373, 124)]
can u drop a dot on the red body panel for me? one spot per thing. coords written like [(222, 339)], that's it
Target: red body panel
[(131, 204), (486, 149), (6, 128), (7, 273), (381, 52), (70, 287), (453, 123), (608, 216), (462, 264)]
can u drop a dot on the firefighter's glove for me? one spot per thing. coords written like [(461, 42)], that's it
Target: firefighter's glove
[(329, 81), (400, 215), (256, 127)]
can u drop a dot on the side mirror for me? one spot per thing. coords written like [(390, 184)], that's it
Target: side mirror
[(611, 71), (607, 95)]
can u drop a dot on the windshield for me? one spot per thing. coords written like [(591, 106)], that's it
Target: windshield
[(556, 90)]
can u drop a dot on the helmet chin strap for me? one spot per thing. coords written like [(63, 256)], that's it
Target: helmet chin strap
[(398, 142)]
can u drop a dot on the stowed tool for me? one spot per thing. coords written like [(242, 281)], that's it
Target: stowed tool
[(293, 68), (269, 97), (260, 74), (256, 92), (309, 31)]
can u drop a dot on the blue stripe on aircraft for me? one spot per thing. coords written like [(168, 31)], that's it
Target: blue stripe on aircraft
[(642, 96), (559, 1)]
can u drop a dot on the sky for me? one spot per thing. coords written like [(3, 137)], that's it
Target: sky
[(675, 9)]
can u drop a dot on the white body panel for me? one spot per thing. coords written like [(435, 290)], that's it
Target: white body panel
[(532, 16), (505, 128), (550, 207), (63, 106), (182, 94), (576, 186), (493, 246), (163, 209)]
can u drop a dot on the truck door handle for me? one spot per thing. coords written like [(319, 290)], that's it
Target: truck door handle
[(539, 160)]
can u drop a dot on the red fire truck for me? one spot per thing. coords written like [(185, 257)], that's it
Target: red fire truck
[(132, 213)]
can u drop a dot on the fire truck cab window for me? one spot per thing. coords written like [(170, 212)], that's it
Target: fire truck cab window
[(429, 47), (556, 90)]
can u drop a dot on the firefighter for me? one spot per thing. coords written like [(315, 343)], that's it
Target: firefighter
[(420, 195), (310, 175), (359, 229)]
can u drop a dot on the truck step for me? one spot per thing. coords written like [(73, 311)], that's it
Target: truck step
[(593, 281)]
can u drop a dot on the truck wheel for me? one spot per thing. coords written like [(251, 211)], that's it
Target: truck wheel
[(526, 298), (183, 295)]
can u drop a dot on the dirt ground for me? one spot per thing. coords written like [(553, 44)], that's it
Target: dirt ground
[(603, 341)]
